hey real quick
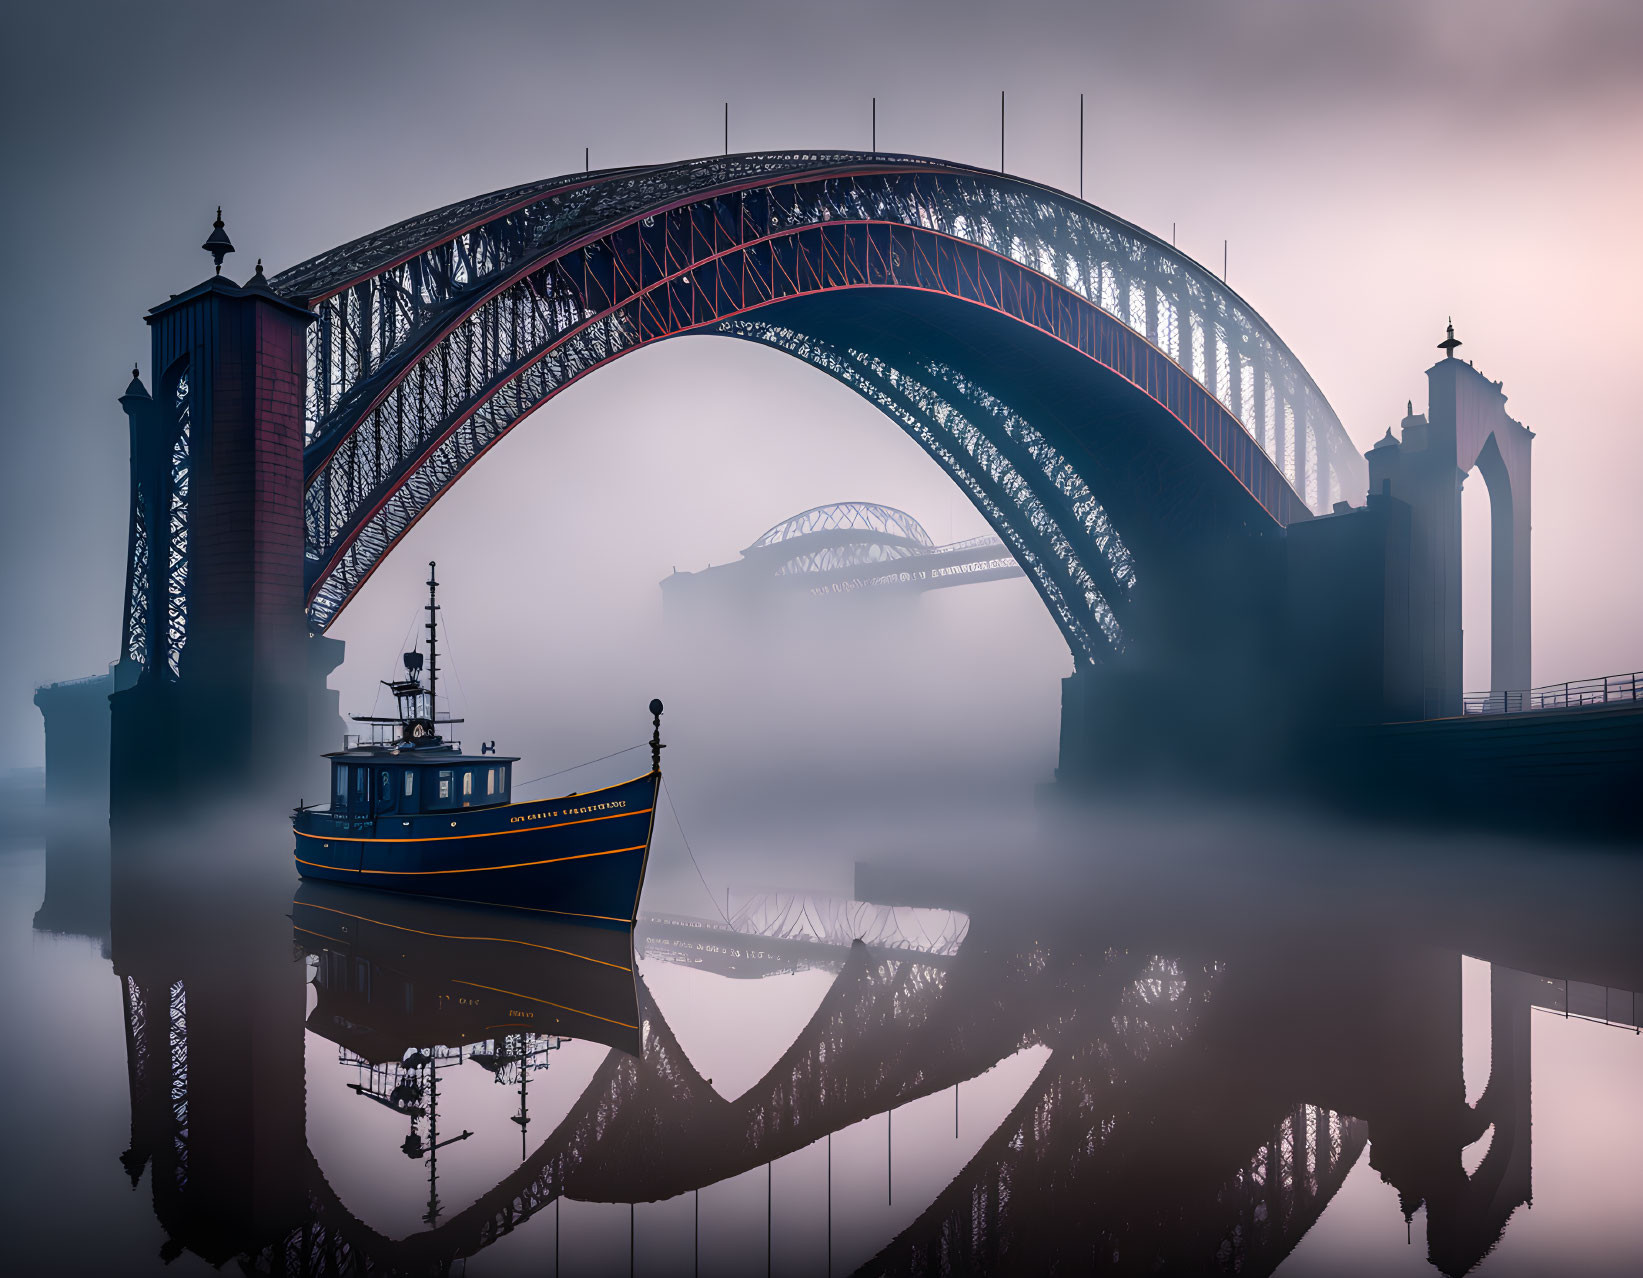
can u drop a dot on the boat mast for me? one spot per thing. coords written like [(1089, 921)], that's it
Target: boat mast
[(523, 1117), (433, 644)]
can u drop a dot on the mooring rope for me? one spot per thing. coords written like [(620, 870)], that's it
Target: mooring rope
[(674, 808), (573, 767), (671, 807)]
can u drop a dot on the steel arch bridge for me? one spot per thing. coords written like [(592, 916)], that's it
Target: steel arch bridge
[(843, 548), (1105, 401)]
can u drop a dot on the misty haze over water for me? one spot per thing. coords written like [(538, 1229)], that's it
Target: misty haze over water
[(894, 1004)]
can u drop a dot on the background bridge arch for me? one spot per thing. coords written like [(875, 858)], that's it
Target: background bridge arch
[(926, 286), (852, 516)]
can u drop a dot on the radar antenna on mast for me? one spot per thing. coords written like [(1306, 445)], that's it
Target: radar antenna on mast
[(415, 723)]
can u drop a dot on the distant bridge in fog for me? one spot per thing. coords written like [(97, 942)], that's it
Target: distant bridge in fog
[(844, 548)]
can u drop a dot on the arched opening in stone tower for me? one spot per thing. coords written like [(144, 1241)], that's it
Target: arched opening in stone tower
[(1476, 583)]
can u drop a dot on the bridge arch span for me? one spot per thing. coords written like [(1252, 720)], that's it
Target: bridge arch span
[(1101, 397), (848, 516)]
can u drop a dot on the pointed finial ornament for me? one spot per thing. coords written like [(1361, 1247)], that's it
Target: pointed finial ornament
[(1447, 346), (217, 243), (657, 745), (135, 389)]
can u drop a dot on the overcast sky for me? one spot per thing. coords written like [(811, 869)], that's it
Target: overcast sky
[(1375, 168)]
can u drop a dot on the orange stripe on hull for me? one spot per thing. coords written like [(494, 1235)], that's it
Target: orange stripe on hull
[(483, 834), (446, 936), (470, 869), (515, 994)]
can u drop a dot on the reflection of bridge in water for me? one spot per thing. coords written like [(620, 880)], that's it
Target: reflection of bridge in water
[(1196, 1107)]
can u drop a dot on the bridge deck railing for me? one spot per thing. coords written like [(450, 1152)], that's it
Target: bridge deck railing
[(1583, 1001), (1569, 695)]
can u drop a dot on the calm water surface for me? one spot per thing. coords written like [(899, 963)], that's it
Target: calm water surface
[(1212, 1047)]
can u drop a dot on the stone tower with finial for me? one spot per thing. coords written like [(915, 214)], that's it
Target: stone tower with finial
[(214, 657), (1466, 426)]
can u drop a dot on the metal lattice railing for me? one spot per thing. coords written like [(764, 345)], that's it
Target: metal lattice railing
[(1571, 695)]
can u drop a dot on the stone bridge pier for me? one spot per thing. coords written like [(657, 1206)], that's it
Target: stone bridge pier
[(1312, 635), (218, 680)]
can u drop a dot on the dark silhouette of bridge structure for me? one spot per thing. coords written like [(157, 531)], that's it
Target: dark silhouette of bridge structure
[(1148, 451), (1109, 405), (841, 549)]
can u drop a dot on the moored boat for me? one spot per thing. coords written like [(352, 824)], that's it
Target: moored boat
[(413, 812)]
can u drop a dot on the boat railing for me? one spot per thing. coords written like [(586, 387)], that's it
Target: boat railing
[(382, 734), (1575, 694), (385, 735)]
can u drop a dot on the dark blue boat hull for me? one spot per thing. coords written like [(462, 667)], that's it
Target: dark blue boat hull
[(582, 856)]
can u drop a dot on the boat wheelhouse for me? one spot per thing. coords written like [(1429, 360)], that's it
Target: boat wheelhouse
[(413, 812), (368, 782)]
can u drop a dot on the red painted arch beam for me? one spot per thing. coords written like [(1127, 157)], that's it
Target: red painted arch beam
[(1018, 293)]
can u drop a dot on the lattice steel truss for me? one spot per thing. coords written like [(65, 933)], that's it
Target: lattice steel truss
[(155, 628), (828, 920), (851, 546), (839, 558), (177, 1045), (1004, 468), (135, 646), (1286, 1185), (864, 565), (142, 1077), (852, 516), (436, 336), (176, 580)]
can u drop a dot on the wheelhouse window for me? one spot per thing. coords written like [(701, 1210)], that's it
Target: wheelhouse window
[(490, 781), (409, 774), (342, 780), (444, 784), (467, 783)]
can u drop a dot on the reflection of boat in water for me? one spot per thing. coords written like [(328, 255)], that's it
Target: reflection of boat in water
[(412, 813), (397, 973)]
